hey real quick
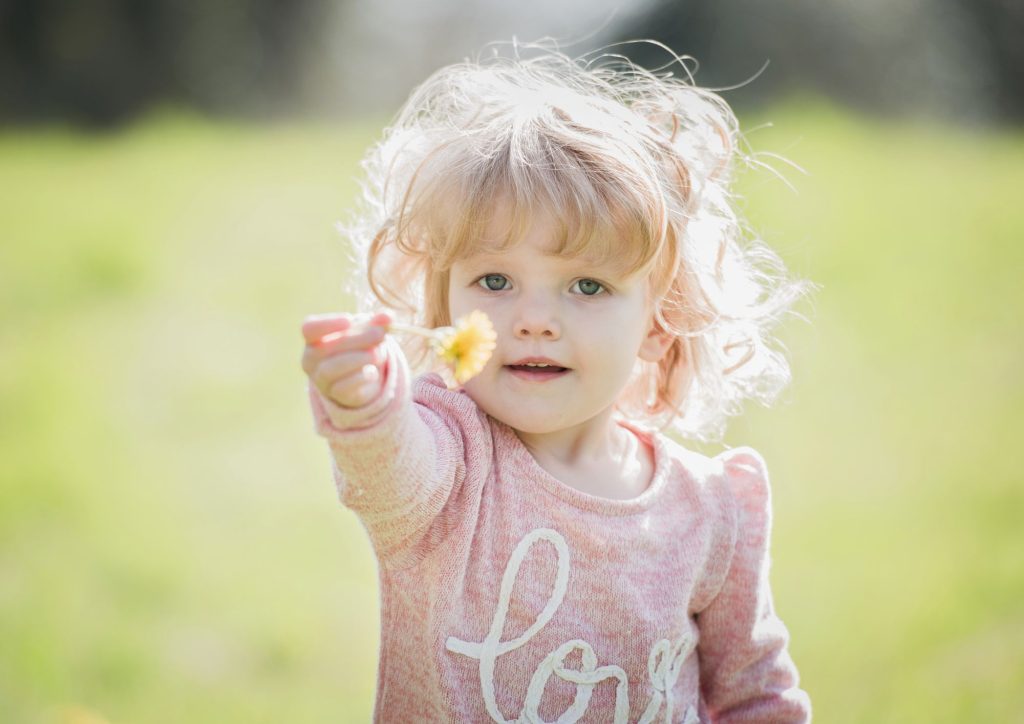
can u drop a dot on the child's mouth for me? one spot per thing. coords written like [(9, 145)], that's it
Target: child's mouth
[(537, 373)]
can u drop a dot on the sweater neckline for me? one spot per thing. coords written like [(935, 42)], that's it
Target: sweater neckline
[(523, 460)]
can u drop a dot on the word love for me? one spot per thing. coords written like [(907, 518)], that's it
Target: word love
[(664, 663)]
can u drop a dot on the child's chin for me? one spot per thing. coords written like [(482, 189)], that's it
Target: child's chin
[(536, 424), (546, 417)]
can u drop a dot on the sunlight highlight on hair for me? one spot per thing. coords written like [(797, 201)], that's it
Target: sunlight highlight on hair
[(633, 166)]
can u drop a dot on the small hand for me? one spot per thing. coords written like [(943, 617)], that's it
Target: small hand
[(344, 361)]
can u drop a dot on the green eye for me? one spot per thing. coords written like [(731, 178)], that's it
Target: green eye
[(494, 282), (589, 287)]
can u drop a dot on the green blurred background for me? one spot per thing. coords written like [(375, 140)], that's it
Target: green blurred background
[(171, 548)]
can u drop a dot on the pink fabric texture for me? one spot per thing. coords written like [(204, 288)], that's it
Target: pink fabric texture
[(507, 595)]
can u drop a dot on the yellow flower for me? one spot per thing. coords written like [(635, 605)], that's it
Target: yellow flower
[(468, 345)]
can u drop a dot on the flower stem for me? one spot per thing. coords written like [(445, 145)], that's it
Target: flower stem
[(411, 329)]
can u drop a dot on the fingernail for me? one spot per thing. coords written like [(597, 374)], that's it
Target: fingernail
[(328, 338)]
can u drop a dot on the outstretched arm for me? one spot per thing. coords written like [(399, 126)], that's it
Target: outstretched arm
[(395, 462)]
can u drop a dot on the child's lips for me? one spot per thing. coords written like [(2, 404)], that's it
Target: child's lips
[(537, 374)]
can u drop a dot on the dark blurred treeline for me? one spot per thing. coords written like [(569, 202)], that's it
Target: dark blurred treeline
[(99, 62), (960, 59)]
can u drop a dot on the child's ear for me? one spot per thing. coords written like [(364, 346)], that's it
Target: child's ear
[(655, 344)]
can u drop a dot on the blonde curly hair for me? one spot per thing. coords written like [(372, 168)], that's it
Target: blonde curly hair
[(633, 164)]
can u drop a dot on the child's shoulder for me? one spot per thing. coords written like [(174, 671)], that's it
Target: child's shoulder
[(738, 474)]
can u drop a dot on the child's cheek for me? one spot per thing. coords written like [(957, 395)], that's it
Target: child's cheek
[(472, 388)]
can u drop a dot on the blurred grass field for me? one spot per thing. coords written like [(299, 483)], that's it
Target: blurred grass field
[(171, 548)]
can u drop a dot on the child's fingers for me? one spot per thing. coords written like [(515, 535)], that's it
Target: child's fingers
[(337, 358), (380, 321), (331, 344), (356, 389), (342, 339), (342, 365), (316, 326)]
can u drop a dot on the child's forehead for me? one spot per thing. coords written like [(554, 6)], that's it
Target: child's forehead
[(547, 251), (543, 232), (504, 226)]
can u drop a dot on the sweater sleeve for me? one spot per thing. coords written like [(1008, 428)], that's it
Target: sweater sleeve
[(395, 462), (747, 674)]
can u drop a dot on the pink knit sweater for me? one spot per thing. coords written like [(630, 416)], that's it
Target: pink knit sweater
[(507, 595)]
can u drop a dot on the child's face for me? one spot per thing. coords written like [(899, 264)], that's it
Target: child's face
[(587, 318)]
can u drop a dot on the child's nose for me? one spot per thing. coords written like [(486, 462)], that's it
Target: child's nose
[(537, 322)]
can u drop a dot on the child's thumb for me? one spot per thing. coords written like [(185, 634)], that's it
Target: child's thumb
[(316, 326)]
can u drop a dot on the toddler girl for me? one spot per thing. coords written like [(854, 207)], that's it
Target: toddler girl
[(545, 552)]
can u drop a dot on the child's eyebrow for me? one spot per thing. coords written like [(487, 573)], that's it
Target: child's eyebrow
[(488, 257), (605, 268), (478, 261), (484, 256), (608, 261)]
